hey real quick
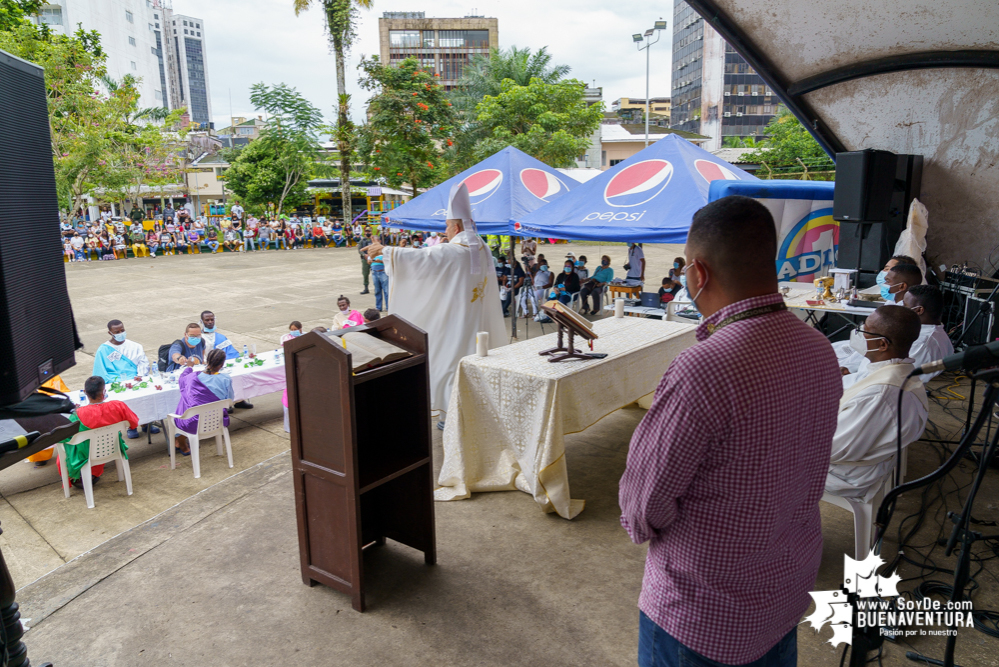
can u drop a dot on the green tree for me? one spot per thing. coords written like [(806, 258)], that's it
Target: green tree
[(339, 19), (484, 76), (411, 121), (549, 121), (291, 139), (743, 142), (257, 176), (790, 150), (15, 13)]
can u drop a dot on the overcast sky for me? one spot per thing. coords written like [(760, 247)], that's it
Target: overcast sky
[(262, 40)]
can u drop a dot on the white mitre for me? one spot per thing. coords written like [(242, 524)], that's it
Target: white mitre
[(459, 207)]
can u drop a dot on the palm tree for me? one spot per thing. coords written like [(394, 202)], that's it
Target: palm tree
[(339, 17), (483, 76)]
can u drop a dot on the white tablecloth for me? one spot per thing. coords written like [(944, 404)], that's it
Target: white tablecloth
[(151, 404), (510, 410)]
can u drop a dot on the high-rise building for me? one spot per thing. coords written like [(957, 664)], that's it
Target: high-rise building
[(444, 46), (140, 38), (189, 65), (128, 37), (715, 91)]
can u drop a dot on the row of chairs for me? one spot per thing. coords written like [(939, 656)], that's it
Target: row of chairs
[(104, 446)]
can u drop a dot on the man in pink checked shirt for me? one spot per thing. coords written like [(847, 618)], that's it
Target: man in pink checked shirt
[(726, 470)]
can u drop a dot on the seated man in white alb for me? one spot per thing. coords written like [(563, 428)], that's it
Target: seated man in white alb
[(863, 449), (933, 343), (897, 281)]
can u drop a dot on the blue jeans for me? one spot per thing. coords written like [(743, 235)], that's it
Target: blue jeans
[(381, 281), (250, 243), (214, 245), (657, 648), (79, 255)]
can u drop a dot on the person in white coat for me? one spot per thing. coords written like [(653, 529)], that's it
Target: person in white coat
[(449, 291), (933, 343), (864, 446)]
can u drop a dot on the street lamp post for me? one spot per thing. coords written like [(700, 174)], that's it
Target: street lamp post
[(659, 26)]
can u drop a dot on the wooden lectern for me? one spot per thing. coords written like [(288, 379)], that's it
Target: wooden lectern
[(361, 453)]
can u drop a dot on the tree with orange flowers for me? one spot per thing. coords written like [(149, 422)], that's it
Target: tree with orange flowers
[(410, 123)]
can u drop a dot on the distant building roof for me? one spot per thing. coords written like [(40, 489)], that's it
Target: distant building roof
[(581, 174), (734, 155), (636, 132)]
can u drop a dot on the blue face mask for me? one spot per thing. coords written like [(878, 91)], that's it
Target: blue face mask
[(208, 329), (544, 268), (880, 280), (296, 333), (579, 265), (568, 269), (676, 265), (194, 341), (120, 337), (683, 281), (552, 294), (886, 293)]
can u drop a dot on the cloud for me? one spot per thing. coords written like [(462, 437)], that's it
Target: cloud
[(262, 40)]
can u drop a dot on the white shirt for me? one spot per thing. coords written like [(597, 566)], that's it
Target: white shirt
[(76, 242), (635, 257), (865, 430), (237, 210)]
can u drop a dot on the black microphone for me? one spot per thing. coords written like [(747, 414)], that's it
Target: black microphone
[(975, 357)]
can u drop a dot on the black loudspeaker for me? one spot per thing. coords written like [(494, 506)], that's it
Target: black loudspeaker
[(37, 333), (980, 325), (864, 184)]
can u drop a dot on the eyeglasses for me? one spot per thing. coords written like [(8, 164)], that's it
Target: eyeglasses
[(874, 334)]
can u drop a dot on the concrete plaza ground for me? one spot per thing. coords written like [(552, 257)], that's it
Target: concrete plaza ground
[(206, 571)]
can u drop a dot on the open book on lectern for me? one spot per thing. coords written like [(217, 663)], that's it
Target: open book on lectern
[(570, 319)]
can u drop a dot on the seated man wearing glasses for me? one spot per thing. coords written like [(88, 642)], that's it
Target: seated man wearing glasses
[(863, 449)]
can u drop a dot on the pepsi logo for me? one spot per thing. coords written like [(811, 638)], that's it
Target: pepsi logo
[(483, 184), (541, 184), (638, 183), (516, 226), (712, 171)]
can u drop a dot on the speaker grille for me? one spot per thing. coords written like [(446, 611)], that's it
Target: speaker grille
[(36, 320)]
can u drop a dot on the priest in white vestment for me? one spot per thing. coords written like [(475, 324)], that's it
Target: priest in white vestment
[(119, 358), (449, 291), (864, 446)]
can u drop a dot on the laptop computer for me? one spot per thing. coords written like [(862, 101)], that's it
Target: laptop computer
[(651, 300)]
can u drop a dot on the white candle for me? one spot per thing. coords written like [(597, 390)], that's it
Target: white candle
[(619, 307), (482, 343)]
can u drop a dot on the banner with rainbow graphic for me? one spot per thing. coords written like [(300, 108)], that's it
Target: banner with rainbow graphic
[(807, 235)]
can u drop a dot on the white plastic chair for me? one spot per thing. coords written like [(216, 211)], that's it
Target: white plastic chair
[(104, 447), (863, 510), (210, 425)]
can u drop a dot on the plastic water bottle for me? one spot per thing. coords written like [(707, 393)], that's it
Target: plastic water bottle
[(246, 351)]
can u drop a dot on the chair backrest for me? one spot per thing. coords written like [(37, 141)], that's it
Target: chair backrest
[(210, 415), (163, 356), (104, 441)]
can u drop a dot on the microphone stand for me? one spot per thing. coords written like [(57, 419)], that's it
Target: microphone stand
[(962, 521)]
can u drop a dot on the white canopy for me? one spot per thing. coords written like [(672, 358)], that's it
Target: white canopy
[(909, 76)]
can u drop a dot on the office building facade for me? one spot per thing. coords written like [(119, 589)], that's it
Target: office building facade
[(714, 90), (141, 38), (442, 45)]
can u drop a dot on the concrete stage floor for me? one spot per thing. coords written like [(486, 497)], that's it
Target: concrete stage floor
[(206, 571)]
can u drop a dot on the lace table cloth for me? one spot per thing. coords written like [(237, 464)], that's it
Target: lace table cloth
[(509, 411)]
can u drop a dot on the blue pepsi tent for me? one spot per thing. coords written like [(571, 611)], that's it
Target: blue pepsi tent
[(649, 198), (503, 187)]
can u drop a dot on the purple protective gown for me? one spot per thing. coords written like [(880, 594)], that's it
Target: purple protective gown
[(193, 393)]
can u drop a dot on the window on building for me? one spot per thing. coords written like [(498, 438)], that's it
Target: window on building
[(614, 163), (603, 157), (428, 39), (470, 39), (157, 25), (159, 94), (185, 31), (131, 41), (134, 65), (156, 16), (404, 39), (128, 16), (150, 27), (245, 131), (185, 23), (198, 26), (197, 84), (219, 171), (51, 15), (199, 34)]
